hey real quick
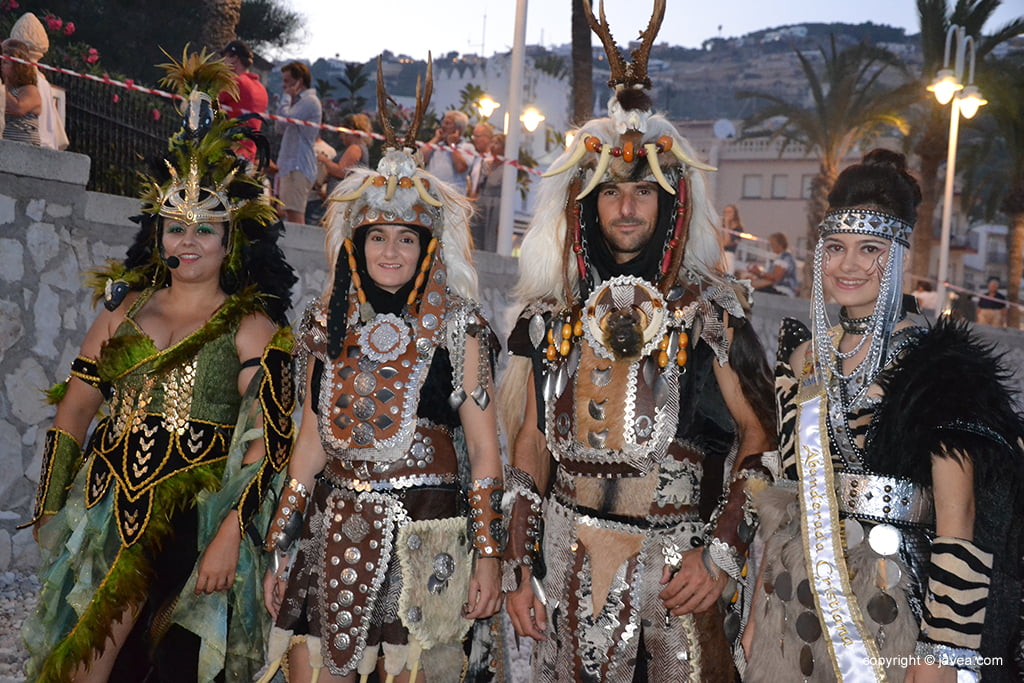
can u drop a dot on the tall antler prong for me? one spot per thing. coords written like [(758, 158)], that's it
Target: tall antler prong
[(638, 68), (616, 63), (422, 102), (382, 107)]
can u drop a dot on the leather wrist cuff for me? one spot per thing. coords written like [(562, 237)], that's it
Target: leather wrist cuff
[(485, 516), (287, 523), (522, 503), (734, 522)]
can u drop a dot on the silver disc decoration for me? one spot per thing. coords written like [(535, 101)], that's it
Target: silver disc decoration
[(384, 338)]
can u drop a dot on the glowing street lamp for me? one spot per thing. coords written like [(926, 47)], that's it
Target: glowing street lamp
[(948, 87), (487, 105), (531, 118)]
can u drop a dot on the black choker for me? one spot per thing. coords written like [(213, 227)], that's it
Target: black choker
[(854, 325)]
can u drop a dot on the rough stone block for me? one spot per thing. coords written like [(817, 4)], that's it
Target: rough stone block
[(6, 548), (22, 386), (8, 206), (25, 553), (12, 260), (12, 330), (58, 210), (35, 209), (46, 314), (43, 243)]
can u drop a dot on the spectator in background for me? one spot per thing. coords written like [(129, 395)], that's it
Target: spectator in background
[(355, 150), (731, 227), (451, 163), (483, 134), (296, 161), (252, 96), (22, 103), (315, 201), (927, 297), (488, 200), (780, 277), (992, 306), (29, 30)]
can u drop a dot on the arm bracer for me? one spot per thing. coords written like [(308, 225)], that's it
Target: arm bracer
[(62, 457), (734, 522), (485, 501), (276, 395), (522, 503)]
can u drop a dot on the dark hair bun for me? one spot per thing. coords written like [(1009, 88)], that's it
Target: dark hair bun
[(882, 181)]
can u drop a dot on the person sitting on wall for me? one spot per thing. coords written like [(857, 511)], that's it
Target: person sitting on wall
[(781, 278)]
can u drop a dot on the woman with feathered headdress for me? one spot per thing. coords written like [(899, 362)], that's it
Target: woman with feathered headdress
[(387, 537), (150, 572)]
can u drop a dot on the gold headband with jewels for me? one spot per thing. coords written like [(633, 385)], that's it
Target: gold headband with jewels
[(866, 222), (187, 200)]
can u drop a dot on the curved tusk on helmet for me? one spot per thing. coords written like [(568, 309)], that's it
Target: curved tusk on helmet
[(602, 166), (351, 196), (424, 195), (652, 161), (577, 154), (392, 186), (683, 157)]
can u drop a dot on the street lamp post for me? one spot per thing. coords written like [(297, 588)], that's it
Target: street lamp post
[(948, 87), (515, 103)]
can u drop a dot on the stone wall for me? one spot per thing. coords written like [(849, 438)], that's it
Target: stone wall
[(52, 230)]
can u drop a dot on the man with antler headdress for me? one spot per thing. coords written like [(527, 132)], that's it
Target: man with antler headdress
[(387, 536), (647, 412)]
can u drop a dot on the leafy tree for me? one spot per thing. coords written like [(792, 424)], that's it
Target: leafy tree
[(993, 152), (848, 103), (931, 125), (129, 35), (267, 24)]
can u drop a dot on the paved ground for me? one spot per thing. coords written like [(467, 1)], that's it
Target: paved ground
[(17, 597)]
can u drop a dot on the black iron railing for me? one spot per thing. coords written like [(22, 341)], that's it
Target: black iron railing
[(117, 129)]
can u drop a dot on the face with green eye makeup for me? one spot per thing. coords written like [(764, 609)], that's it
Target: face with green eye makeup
[(199, 247)]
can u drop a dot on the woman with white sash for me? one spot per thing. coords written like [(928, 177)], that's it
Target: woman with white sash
[(891, 551)]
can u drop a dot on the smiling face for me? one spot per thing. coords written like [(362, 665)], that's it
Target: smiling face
[(392, 255), (628, 213), (199, 247), (852, 270)]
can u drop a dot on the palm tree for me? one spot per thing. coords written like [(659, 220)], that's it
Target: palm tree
[(582, 66), (932, 125), (848, 104), (355, 79), (994, 164), (220, 19)]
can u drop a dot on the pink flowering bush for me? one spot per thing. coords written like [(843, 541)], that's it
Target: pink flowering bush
[(64, 51)]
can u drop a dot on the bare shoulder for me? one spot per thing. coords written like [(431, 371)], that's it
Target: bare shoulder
[(254, 333)]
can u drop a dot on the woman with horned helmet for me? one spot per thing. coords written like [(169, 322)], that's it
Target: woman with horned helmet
[(387, 538), (150, 570), (647, 406), (901, 483)]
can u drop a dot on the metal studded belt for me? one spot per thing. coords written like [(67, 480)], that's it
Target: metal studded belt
[(391, 484), (885, 499)]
